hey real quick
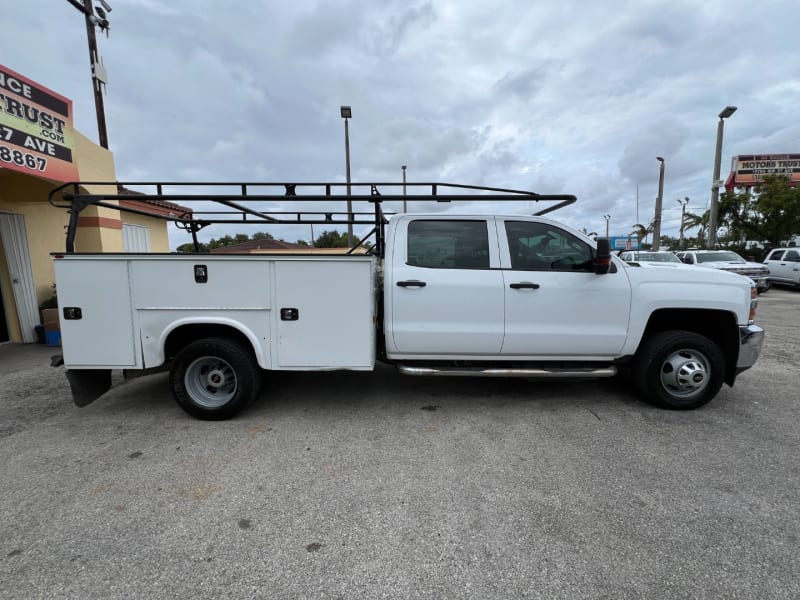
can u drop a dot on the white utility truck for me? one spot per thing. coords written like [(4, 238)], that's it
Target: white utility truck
[(436, 293)]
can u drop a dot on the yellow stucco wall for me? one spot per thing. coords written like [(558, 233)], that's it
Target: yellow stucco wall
[(46, 226)]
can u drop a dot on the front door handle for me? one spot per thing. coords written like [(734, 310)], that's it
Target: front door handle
[(411, 283), (525, 285)]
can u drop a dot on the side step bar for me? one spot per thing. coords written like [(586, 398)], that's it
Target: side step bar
[(533, 373)]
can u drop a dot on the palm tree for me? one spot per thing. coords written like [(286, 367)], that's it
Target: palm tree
[(691, 219), (641, 232)]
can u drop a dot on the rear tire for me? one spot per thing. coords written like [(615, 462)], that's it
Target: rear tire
[(679, 370), (214, 378)]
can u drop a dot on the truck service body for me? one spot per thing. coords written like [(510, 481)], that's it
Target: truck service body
[(439, 294)]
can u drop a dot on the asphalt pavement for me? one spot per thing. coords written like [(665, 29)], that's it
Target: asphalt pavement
[(354, 485)]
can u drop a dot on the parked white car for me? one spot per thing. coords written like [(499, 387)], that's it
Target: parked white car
[(650, 258), (784, 266), (728, 261)]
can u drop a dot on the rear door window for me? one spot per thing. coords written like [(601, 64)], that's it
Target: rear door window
[(440, 244)]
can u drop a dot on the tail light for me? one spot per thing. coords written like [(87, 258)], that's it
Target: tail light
[(753, 302)]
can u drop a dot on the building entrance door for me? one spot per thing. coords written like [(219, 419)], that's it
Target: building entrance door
[(15, 247)]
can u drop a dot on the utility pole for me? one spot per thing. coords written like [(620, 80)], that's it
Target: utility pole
[(608, 219), (659, 200), (683, 204), (99, 75)]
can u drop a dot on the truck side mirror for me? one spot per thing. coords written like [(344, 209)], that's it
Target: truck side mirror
[(602, 257)]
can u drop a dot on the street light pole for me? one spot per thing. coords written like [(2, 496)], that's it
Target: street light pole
[(683, 204), (607, 218), (715, 182), (405, 204), (659, 200), (99, 77), (347, 113)]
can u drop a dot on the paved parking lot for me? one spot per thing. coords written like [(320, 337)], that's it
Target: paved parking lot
[(382, 486)]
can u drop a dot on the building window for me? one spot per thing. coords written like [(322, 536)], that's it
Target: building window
[(135, 238)]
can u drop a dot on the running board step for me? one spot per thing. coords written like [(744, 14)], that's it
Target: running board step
[(537, 373)]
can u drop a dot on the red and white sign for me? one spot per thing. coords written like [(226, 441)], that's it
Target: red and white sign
[(750, 169), (36, 132)]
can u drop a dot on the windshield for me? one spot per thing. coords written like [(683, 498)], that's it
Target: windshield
[(667, 257), (721, 256)]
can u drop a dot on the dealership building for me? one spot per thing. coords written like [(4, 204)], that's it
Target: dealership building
[(39, 151)]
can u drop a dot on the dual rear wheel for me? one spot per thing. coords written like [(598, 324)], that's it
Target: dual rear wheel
[(215, 378)]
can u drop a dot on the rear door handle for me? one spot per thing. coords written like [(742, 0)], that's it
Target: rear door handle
[(411, 283), (525, 285)]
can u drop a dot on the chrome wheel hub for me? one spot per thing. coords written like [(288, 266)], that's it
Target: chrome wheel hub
[(210, 381), (685, 373)]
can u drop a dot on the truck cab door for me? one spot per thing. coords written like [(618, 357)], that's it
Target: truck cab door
[(555, 305), (444, 294)]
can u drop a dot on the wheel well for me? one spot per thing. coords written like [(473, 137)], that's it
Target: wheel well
[(184, 335), (718, 326)]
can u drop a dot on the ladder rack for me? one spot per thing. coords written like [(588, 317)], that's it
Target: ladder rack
[(235, 203)]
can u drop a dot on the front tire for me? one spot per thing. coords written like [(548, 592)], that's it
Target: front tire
[(679, 370), (214, 378)]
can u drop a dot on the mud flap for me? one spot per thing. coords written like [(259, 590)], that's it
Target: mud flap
[(88, 385)]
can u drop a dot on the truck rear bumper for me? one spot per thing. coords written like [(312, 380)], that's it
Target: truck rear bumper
[(751, 338)]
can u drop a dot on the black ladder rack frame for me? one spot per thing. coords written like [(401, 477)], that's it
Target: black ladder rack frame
[(73, 197)]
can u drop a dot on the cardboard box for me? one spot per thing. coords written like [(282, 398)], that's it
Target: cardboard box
[(50, 318)]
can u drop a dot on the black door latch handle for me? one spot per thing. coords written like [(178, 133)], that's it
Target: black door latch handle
[(525, 285), (411, 283)]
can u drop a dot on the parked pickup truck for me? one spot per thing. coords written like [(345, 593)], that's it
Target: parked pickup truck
[(438, 293)]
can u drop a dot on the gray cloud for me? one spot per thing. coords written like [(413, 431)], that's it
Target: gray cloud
[(567, 97)]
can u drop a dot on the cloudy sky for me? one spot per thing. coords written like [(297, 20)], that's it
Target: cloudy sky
[(554, 97)]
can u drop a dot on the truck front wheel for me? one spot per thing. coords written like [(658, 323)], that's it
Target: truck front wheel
[(679, 370), (214, 378)]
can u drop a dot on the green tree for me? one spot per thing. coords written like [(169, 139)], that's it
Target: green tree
[(641, 232), (333, 239), (692, 220), (189, 248), (770, 212)]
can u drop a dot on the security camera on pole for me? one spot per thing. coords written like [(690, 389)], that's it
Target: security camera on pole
[(683, 204), (99, 75)]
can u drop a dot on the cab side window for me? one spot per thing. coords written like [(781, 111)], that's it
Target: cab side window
[(792, 255), (439, 244), (544, 247), (776, 255)]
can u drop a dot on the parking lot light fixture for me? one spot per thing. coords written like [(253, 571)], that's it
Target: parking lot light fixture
[(715, 182), (347, 114)]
